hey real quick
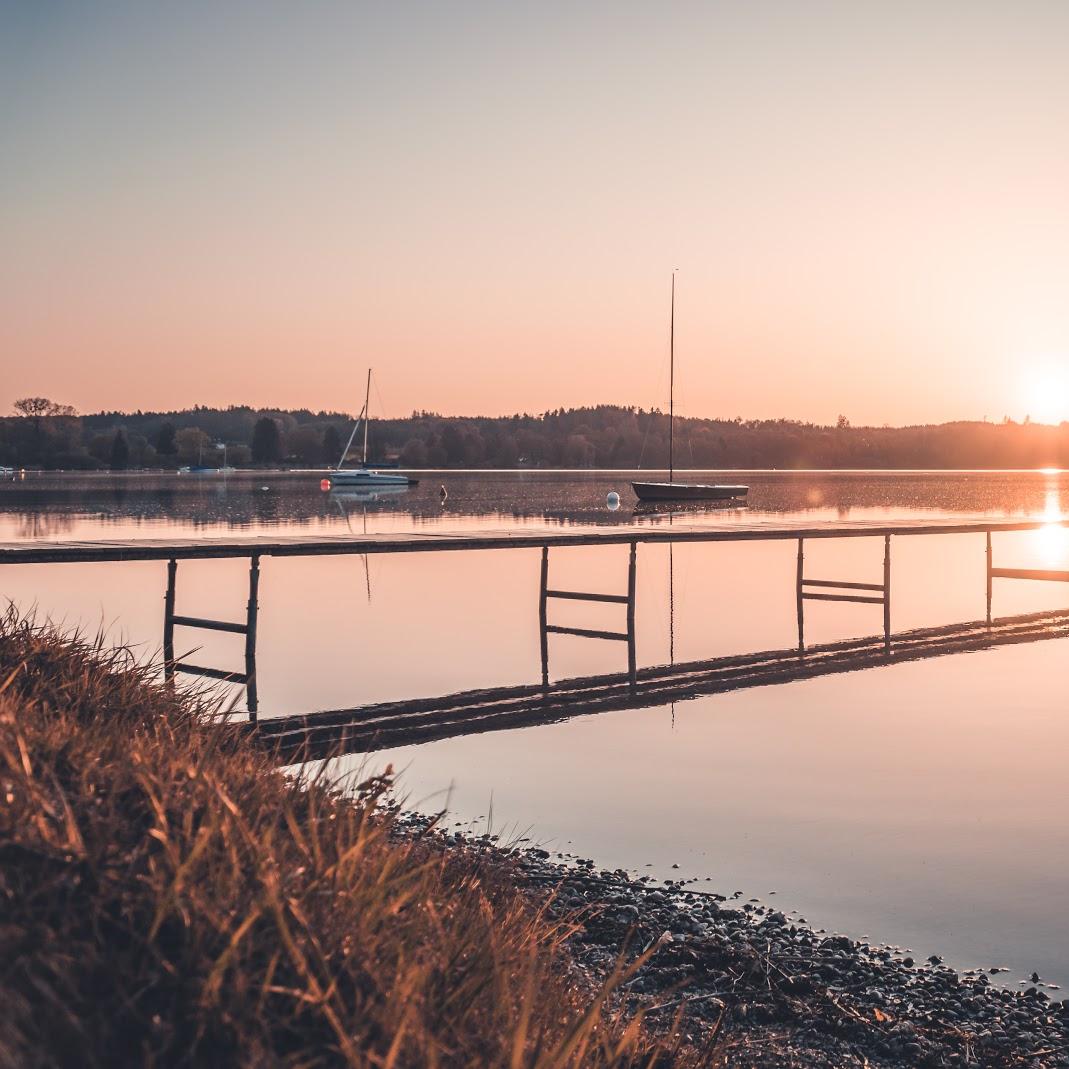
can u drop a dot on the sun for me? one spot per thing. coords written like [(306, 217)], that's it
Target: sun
[(1046, 393)]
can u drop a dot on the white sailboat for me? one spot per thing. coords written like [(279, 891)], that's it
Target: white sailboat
[(364, 477)]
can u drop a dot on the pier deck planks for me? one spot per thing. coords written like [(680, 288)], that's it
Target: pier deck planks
[(191, 548)]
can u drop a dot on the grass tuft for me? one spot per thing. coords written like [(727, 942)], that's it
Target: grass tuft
[(168, 898)]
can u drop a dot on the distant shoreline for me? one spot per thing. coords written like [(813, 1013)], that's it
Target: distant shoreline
[(323, 472), (604, 437)]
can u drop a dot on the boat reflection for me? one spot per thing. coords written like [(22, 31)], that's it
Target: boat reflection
[(365, 494), (666, 510)]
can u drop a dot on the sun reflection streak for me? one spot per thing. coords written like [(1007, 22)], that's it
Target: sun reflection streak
[(1049, 544)]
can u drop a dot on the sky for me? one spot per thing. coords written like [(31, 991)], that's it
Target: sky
[(227, 203)]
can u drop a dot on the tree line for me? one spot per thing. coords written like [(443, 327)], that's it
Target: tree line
[(43, 433)]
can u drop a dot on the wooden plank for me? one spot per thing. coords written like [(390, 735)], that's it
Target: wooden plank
[(1030, 573), (842, 597), (211, 673), (578, 595), (844, 586), (209, 625), (583, 632)]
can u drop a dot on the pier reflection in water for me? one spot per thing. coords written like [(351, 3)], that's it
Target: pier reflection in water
[(374, 727)]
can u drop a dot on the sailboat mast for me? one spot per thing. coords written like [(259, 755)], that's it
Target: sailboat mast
[(367, 420), (672, 383)]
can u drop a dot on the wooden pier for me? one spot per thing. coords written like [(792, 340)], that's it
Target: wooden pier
[(254, 547)]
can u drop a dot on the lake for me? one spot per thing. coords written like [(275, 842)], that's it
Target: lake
[(921, 804)]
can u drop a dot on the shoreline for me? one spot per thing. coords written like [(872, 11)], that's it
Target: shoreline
[(756, 971), (775, 992)]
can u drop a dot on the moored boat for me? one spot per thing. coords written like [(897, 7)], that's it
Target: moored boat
[(353, 478), (671, 490), (364, 477)]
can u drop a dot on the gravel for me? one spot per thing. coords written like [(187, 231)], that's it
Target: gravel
[(764, 990)]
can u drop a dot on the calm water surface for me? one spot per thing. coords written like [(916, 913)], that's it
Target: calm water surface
[(922, 804)]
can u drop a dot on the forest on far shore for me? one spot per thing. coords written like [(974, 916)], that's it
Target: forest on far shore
[(45, 434)]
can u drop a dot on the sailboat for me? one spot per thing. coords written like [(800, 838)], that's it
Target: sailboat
[(671, 490), (363, 477), (200, 468)]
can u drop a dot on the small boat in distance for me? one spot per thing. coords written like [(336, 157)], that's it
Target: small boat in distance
[(200, 468), (364, 478), (671, 490)]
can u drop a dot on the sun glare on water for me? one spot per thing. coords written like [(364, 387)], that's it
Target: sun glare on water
[(1049, 544)]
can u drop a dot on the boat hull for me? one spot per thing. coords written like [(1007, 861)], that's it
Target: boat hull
[(356, 480), (687, 492)]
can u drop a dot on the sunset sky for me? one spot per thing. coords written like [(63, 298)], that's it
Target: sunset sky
[(868, 204)]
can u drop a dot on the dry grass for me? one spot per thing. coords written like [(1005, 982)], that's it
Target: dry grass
[(168, 898)]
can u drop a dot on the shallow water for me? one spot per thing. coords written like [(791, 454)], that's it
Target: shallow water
[(922, 803)]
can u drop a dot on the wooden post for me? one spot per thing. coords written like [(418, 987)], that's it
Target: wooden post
[(989, 566), (250, 637), (632, 662), (168, 622), (543, 634), (798, 597), (887, 592)]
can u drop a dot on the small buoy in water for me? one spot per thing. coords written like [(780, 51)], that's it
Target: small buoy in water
[(443, 493), (613, 500), (324, 484)]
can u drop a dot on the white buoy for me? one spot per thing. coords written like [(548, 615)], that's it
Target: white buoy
[(613, 500)]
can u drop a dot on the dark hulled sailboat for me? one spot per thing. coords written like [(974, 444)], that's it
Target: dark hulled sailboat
[(672, 490)]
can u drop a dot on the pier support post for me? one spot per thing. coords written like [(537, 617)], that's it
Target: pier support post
[(887, 593), (628, 600), (632, 661), (836, 590), (799, 599), (173, 665), (250, 637), (168, 621), (989, 578), (544, 635)]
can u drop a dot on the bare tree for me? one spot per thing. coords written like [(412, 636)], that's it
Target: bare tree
[(38, 408)]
